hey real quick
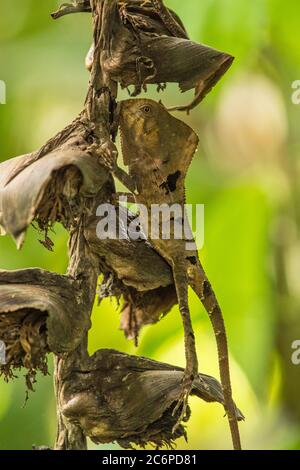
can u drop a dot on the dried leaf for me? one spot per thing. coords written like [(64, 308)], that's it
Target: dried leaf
[(146, 308), (134, 270), (39, 312), (144, 51), (46, 187), (101, 397)]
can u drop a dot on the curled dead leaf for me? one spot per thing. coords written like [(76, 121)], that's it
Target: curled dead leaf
[(101, 397), (48, 187), (144, 51), (40, 312), (132, 269)]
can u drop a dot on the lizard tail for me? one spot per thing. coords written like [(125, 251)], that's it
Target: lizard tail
[(200, 284)]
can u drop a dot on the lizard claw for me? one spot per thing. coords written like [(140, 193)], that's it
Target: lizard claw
[(108, 153), (187, 385)]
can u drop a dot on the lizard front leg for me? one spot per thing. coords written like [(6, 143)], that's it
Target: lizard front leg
[(124, 178), (108, 154)]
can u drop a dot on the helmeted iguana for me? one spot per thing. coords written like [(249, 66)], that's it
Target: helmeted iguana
[(158, 150)]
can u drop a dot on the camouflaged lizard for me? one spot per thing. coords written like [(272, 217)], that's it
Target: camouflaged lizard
[(158, 150)]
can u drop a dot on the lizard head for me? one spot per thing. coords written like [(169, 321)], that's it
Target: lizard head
[(140, 125), (148, 129)]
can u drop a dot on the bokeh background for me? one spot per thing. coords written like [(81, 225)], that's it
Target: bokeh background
[(246, 174)]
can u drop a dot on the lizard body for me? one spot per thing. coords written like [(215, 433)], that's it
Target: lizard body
[(158, 150)]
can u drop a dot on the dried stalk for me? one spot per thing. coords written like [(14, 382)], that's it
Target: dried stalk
[(65, 181)]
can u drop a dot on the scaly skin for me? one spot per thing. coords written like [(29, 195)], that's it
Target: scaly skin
[(158, 150)]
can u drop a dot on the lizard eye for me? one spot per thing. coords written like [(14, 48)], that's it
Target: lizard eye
[(146, 109)]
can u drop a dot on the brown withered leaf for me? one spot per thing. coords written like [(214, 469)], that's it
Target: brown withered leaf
[(77, 6), (40, 312), (129, 10), (101, 398), (191, 65), (145, 308), (142, 50), (47, 187), (132, 269), (25, 340)]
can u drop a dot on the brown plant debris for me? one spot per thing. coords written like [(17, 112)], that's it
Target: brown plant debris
[(24, 335), (54, 298), (50, 185), (134, 271), (101, 397), (146, 43)]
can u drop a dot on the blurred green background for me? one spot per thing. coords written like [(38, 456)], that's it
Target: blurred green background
[(246, 174)]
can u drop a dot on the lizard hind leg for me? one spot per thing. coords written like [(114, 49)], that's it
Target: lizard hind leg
[(191, 370), (201, 286)]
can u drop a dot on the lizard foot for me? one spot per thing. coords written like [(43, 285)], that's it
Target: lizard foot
[(182, 404), (107, 152)]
